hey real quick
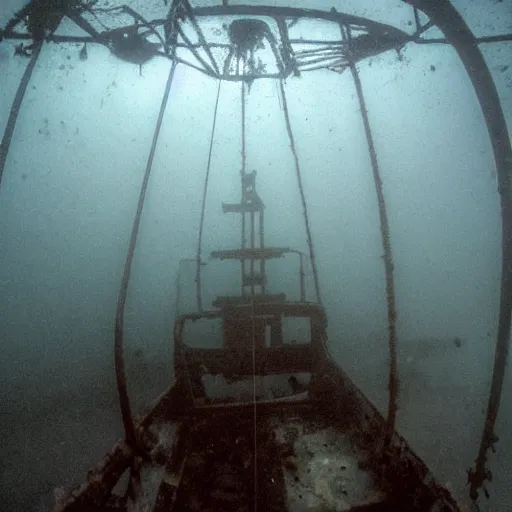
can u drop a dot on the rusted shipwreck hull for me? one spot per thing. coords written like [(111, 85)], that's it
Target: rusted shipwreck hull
[(289, 431)]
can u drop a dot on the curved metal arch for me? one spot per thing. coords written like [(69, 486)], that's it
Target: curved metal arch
[(459, 35)]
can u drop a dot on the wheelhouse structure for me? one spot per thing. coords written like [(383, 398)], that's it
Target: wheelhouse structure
[(254, 334)]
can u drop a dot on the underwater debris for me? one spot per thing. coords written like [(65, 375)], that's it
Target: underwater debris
[(248, 34), (41, 19), (22, 50), (130, 45), (83, 52), (246, 37), (45, 128)]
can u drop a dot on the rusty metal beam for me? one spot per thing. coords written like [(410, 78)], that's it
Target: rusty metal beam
[(268, 360), (459, 35)]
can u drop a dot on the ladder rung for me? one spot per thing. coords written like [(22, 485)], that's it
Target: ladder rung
[(250, 254)]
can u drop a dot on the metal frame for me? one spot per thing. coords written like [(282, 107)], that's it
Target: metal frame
[(290, 55), (458, 34), (262, 360), (291, 59)]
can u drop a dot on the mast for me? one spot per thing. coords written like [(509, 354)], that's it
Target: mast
[(252, 254)]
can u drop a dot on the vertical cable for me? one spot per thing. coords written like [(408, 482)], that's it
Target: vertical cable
[(244, 150), (203, 207), (253, 240), (244, 163), (255, 474), (262, 246), (301, 190), (124, 400), (16, 105), (386, 245)]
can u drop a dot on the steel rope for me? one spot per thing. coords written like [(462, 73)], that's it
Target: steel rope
[(301, 190), (203, 207), (124, 400), (387, 256), (16, 105)]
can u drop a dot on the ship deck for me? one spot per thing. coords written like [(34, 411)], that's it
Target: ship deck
[(287, 457)]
